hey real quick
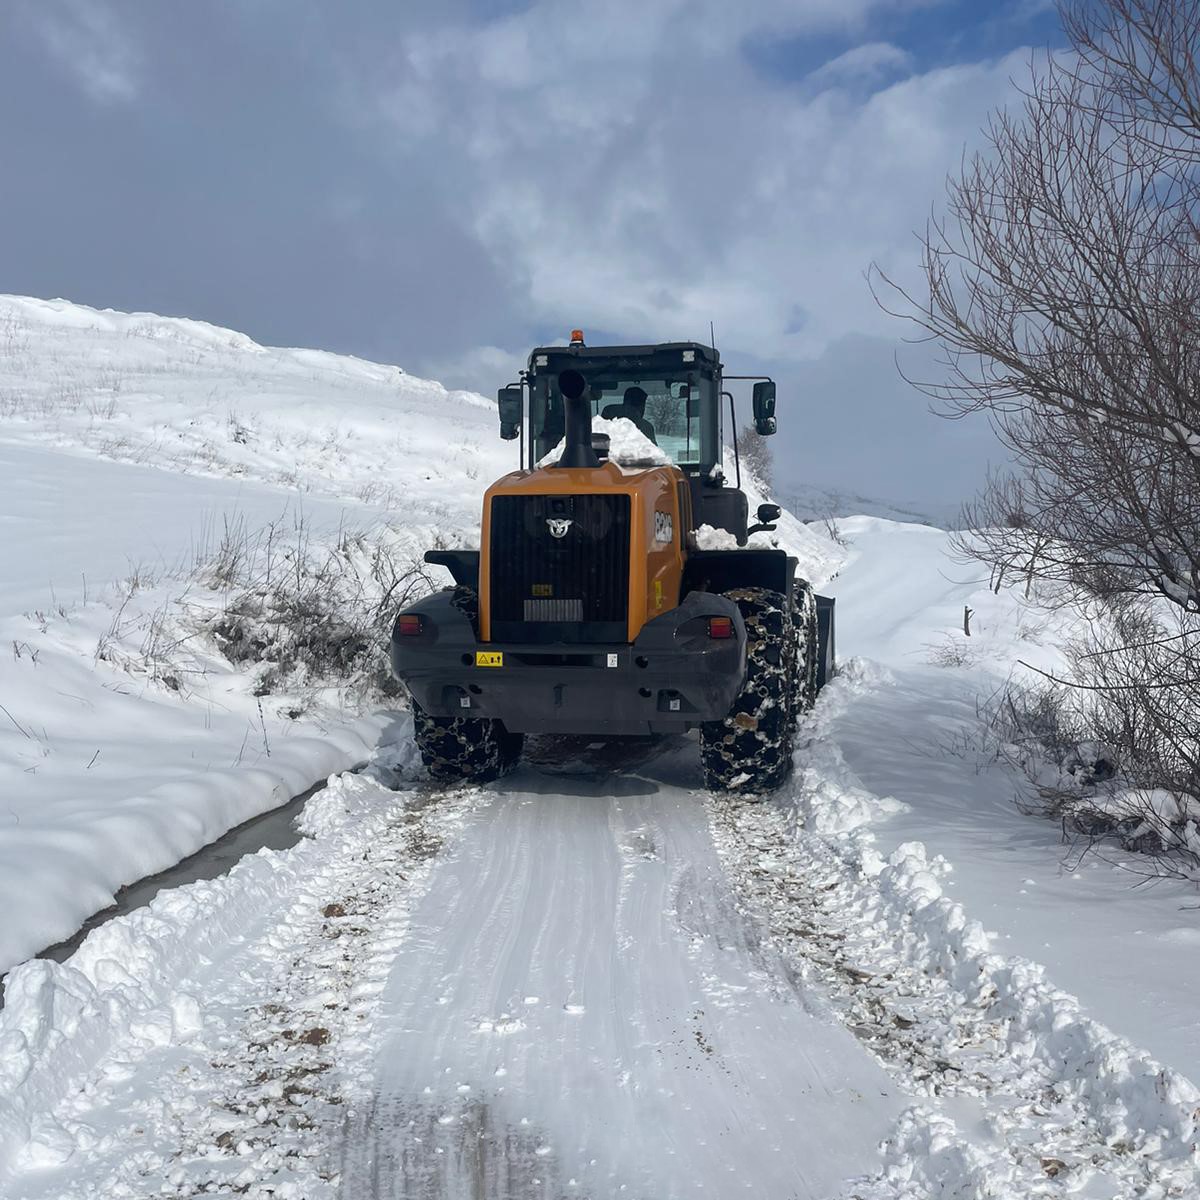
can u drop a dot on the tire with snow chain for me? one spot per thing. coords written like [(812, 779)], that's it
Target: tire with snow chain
[(750, 749), (465, 749), (804, 622)]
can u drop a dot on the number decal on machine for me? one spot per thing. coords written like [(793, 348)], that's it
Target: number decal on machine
[(489, 658), (664, 527)]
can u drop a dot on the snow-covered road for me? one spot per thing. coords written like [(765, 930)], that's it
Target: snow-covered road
[(581, 1009), (552, 989), (589, 980)]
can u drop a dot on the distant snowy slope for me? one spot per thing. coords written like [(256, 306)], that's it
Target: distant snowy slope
[(902, 595), (188, 397), (811, 503)]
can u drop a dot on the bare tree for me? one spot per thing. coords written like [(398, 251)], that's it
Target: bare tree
[(756, 456), (1063, 290)]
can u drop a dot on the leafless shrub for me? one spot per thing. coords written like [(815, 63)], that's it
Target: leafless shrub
[(1064, 291), (308, 614), (14, 339), (833, 531), (222, 565), (1064, 745), (113, 635), (102, 406), (951, 651)]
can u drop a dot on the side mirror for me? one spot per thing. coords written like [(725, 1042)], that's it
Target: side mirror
[(511, 403), (767, 515), (764, 407)]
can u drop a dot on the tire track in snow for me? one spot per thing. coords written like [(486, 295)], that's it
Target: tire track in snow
[(1020, 1093), (578, 1011), (574, 989)]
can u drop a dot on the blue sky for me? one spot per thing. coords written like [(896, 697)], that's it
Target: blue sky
[(931, 35), (443, 185)]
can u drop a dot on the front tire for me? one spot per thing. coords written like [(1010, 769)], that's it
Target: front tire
[(804, 620)]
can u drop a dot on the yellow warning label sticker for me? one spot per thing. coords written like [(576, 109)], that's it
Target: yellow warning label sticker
[(489, 658), (543, 589), (658, 593)]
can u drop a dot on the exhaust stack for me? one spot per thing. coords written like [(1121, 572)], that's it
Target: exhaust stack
[(577, 419)]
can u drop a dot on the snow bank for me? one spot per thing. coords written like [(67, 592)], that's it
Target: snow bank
[(1031, 1039), (128, 742), (138, 980)]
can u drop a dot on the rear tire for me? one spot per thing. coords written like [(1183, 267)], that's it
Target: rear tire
[(465, 749), (804, 620), (750, 749)]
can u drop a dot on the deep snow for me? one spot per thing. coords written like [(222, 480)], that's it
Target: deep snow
[(1128, 951), (130, 447), (883, 984)]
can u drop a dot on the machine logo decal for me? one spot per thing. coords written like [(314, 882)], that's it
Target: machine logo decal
[(559, 526)]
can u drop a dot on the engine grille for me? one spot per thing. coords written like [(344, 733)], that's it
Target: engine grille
[(560, 568), (553, 610)]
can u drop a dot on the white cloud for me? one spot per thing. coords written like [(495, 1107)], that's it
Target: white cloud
[(87, 40), (627, 168), (481, 369), (865, 64)]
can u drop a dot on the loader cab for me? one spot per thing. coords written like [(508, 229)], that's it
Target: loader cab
[(682, 413)]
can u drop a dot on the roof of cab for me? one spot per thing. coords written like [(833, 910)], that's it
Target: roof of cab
[(707, 354)]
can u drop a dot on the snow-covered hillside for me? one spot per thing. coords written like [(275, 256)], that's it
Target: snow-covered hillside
[(589, 979), (136, 449), (191, 398)]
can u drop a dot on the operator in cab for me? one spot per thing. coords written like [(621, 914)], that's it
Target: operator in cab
[(632, 408)]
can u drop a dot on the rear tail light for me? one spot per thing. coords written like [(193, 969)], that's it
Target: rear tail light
[(720, 627), (408, 625)]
